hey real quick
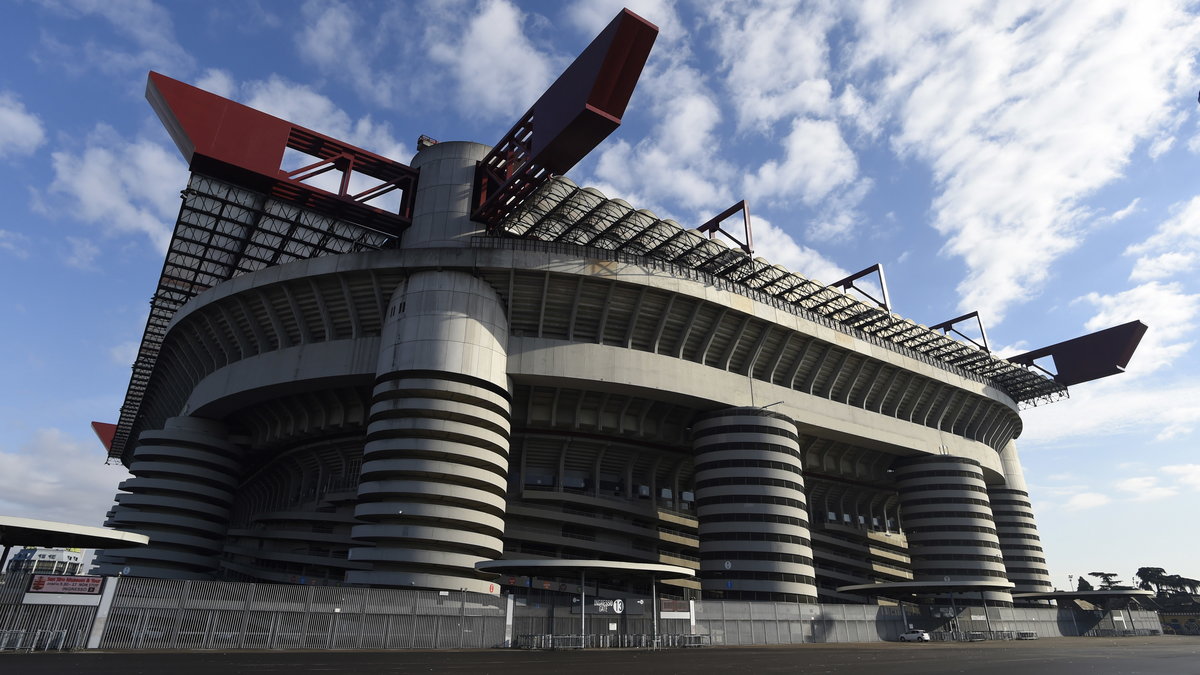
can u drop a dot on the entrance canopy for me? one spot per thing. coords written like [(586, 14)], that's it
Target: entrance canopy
[(16, 531), (1096, 596), (610, 568), (908, 589)]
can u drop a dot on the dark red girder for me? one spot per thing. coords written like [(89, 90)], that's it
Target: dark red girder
[(105, 432), (227, 140), (1092, 356), (577, 112)]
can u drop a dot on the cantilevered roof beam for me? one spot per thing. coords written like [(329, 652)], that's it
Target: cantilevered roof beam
[(1090, 357)]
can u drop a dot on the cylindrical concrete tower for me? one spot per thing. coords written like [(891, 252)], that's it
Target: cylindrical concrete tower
[(435, 465), (1017, 529), (184, 477), (442, 203), (750, 506), (433, 485), (947, 518)]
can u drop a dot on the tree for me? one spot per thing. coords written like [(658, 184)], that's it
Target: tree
[(1181, 584), (1084, 585), (1165, 584), (1151, 576), (1107, 579)]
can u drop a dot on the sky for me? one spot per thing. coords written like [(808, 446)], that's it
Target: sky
[(1032, 161)]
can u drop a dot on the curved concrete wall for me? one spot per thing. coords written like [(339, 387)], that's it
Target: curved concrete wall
[(434, 474), (946, 515), (1024, 558), (185, 476), (442, 204), (750, 504)]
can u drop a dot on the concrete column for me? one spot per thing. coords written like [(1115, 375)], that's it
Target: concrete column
[(1017, 529), (948, 521), (433, 486), (184, 479), (751, 508), (442, 203)]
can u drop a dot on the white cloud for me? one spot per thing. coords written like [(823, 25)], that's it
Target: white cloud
[(125, 353), (1145, 488), (124, 186), (775, 60), (1162, 266), (217, 81), (1124, 213), (779, 248), (774, 69), (82, 252), (21, 132), (852, 107), (1111, 408), (680, 161), (1010, 350), (1193, 144), (303, 105), (342, 44), (1174, 246), (133, 185), (1181, 231), (1185, 474), (591, 16), (1161, 146), (817, 161), (1014, 108), (57, 477), (1166, 308), (497, 71), (152, 43), (14, 243), (1130, 403), (1086, 500)]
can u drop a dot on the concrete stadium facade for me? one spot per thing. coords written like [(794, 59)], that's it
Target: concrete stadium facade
[(393, 415)]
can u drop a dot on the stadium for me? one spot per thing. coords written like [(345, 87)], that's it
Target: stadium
[(460, 373)]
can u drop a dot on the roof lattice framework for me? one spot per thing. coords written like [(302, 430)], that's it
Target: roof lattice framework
[(222, 232), (561, 211)]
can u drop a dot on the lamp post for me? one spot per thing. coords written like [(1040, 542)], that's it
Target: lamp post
[(654, 608)]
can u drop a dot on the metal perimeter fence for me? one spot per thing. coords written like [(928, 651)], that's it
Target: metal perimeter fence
[(176, 614), (170, 614), (31, 627), (753, 623)]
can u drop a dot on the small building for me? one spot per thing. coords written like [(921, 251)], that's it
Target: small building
[(36, 560)]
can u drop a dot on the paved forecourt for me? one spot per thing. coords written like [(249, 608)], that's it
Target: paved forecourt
[(1165, 655)]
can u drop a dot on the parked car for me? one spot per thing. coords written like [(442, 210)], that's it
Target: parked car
[(914, 636)]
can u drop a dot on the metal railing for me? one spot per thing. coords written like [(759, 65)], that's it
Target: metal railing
[(38, 640), (1122, 632), (610, 640), (169, 614)]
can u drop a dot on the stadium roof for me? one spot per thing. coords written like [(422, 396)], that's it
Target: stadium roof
[(242, 213), (560, 211)]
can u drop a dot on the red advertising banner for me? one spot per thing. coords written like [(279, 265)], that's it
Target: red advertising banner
[(81, 585)]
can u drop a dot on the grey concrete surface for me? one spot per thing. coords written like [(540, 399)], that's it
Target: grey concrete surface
[(1168, 655)]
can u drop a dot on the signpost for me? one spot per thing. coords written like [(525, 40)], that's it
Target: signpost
[(54, 589), (72, 585)]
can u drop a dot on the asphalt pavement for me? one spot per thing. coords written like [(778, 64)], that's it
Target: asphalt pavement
[(1165, 655)]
